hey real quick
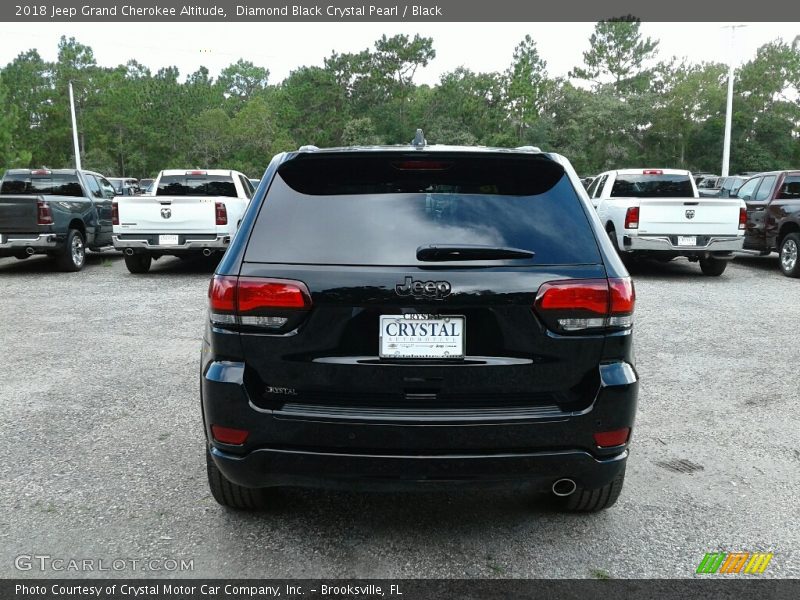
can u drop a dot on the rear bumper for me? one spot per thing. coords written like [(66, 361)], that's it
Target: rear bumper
[(341, 470), (146, 244), (357, 448), (18, 243), (668, 243)]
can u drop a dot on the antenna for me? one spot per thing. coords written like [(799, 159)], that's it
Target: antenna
[(419, 139)]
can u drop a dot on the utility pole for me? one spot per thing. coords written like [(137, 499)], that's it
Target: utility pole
[(74, 128), (726, 145)]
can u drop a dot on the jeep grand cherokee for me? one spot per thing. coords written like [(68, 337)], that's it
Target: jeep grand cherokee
[(419, 316)]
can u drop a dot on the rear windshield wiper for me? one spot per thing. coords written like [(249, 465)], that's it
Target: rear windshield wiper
[(469, 252)]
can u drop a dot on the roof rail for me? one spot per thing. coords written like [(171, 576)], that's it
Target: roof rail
[(419, 140), (308, 148), (528, 148)]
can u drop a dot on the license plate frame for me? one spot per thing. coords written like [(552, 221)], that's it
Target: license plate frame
[(687, 240), (422, 347), (168, 240)]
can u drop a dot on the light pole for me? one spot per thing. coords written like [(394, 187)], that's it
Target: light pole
[(726, 145), (74, 128)]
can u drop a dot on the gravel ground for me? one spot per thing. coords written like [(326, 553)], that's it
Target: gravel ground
[(104, 457)]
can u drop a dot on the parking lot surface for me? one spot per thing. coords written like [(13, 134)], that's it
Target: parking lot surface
[(103, 444)]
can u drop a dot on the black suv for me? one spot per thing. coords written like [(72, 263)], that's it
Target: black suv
[(419, 316)]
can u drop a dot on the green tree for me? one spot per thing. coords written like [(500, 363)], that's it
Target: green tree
[(617, 52), (527, 86)]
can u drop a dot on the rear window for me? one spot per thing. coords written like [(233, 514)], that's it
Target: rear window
[(378, 210), (652, 186), (790, 189), (46, 185), (204, 185)]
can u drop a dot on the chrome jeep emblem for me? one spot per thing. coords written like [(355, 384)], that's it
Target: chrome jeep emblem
[(423, 289), (690, 214)]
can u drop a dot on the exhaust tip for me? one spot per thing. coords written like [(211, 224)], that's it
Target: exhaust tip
[(564, 487), (129, 251), (29, 251), (206, 252)]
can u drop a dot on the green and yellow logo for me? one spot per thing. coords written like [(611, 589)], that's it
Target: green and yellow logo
[(729, 563)]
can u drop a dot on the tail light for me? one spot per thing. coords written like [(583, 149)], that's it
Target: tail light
[(43, 214), (632, 218), (652, 172), (221, 213), (742, 218), (257, 302), (115, 213), (575, 305)]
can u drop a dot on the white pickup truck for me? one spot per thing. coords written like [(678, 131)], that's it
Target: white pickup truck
[(188, 212), (658, 212)]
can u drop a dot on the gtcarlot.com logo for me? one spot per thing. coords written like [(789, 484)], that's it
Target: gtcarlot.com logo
[(732, 563), (45, 562)]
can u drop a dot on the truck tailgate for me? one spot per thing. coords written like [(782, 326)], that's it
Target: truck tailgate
[(18, 214), (168, 214), (694, 216)]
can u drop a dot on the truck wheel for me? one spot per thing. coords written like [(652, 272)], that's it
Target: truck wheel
[(790, 245), (229, 494), (713, 267), (612, 235), (138, 263), (593, 500), (73, 257)]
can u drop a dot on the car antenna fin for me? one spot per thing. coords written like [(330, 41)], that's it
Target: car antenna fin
[(419, 139)]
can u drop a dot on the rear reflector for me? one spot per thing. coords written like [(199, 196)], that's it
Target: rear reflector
[(652, 172), (609, 439), (221, 213), (43, 214), (742, 217), (576, 305), (253, 301), (632, 218), (115, 213), (229, 435)]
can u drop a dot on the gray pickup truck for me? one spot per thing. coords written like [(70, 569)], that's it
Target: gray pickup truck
[(59, 212)]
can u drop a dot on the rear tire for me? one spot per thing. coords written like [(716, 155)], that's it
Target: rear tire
[(73, 256), (612, 235), (788, 252), (138, 263), (229, 494), (593, 500), (713, 267)]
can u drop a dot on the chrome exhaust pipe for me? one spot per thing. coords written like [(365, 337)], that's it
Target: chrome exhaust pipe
[(129, 251), (206, 252), (564, 487), (29, 251)]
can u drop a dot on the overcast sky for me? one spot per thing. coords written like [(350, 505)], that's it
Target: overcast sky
[(285, 46)]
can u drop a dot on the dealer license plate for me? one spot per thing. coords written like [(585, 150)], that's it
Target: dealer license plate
[(168, 240), (687, 240), (422, 336)]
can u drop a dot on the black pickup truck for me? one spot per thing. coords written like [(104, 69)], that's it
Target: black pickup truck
[(55, 212), (773, 216)]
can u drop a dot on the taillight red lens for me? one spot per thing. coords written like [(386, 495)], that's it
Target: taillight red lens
[(115, 213), (580, 304), (632, 218), (253, 301), (43, 214), (222, 294), (652, 172), (623, 295), (742, 217), (255, 293), (229, 435), (608, 439), (589, 294), (222, 213)]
